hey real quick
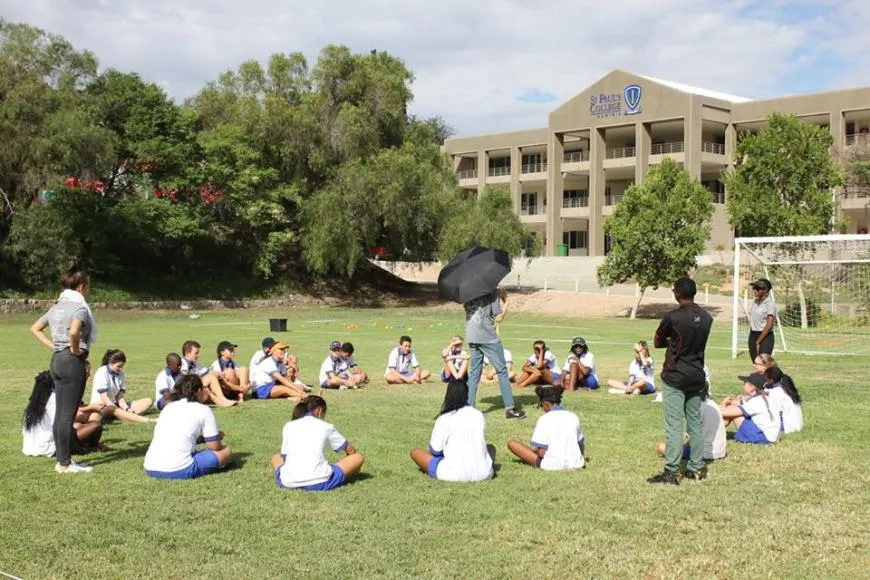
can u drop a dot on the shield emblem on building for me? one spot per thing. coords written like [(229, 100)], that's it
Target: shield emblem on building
[(632, 95)]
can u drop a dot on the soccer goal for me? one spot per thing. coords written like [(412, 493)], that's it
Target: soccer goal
[(821, 285)]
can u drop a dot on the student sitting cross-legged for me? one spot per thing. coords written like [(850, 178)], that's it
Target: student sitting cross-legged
[(402, 365), (641, 374), (334, 373), (784, 396), (489, 375), (579, 370), (190, 366), (557, 441), (541, 367), (165, 380), (110, 388), (232, 378), (269, 382), (752, 413), (301, 464), (182, 424), (457, 449), (353, 367), (456, 361)]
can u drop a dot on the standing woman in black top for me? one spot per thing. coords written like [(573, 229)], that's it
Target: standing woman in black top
[(73, 329)]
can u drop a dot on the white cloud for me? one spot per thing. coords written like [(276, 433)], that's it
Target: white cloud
[(474, 60)]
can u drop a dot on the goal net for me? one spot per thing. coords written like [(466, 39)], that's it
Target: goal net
[(821, 286)]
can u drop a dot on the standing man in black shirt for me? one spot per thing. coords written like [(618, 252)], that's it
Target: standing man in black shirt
[(684, 333)]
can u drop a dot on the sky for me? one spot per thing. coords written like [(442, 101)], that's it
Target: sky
[(485, 66)]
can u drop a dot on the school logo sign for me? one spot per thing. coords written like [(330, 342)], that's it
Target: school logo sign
[(605, 105), (632, 100)]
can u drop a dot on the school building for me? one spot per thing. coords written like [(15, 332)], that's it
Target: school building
[(566, 178)]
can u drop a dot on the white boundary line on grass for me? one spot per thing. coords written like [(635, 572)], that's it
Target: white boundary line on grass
[(9, 575)]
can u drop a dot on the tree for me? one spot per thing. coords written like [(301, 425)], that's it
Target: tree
[(854, 162), (657, 230), (782, 184), (488, 220)]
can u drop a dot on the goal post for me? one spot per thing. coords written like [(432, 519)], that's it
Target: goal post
[(821, 285)]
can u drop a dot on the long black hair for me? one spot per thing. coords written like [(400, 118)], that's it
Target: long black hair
[(775, 375), (43, 385), (455, 397), (549, 394), (308, 405)]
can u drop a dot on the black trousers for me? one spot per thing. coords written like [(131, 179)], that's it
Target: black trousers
[(766, 344), (68, 373)]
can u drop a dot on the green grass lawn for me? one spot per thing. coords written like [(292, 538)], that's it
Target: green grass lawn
[(795, 510)]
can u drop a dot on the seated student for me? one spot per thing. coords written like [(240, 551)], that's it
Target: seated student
[(752, 413), (301, 464), (333, 371), (110, 387), (641, 374), (489, 374), (402, 365), (579, 369), (232, 378), (166, 379), (784, 396), (457, 449), (557, 441), (190, 366), (183, 423), (541, 368), (353, 367), (261, 354), (37, 431), (268, 381), (456, 361), (714, 431)]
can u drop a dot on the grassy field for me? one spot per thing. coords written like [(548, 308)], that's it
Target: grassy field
[(795, 510)]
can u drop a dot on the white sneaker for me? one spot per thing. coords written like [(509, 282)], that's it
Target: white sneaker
[(658, 398), (613, 391), (73, 467)]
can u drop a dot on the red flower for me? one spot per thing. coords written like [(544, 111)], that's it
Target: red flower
[(98, 186), (72, 182)]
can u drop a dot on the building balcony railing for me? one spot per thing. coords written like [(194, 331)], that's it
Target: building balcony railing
[(569, 202), (621, 152), (499, 171), (667, 148), (467, 174), (529, 210), (714, 148), (575, 156), (612, 198), (858, 139), (534, 168)]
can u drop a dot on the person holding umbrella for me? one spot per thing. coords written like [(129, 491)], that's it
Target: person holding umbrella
[(471, 279)]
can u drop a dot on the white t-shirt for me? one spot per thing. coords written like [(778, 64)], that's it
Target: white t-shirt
[(558, 431), (180, 424), (508, 358), (460, 436), (164, 383), (791, 413), (714, 430), (257, 358), (766, 419), (458, 360), (331, 366), (302, 446), (105, 381), (193, 368), (39, 440), (550, 362), (638, 372), (262, 373), (401, 362), (587, 359), (350, 362), (216, 365)]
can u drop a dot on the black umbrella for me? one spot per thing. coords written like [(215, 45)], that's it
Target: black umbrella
[(473, 273)]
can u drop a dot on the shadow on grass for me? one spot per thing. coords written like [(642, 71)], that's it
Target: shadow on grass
[(359, 477), (495, 403), (132, 451)]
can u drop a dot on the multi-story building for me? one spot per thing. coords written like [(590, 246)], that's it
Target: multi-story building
[(566, 178)]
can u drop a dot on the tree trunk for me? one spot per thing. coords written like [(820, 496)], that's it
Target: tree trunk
[(802, 299), (637, 303)]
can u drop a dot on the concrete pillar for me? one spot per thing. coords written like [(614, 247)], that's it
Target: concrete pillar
[(730, 143), (597, 183), (482, 170), (643, 145), (555, 185), (457, 161), (692, 136), (516, 170), (838, 129)]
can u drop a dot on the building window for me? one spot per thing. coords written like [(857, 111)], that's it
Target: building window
[(529, 204), (717, 189), (575, 198), (575, 239), (499, 166)]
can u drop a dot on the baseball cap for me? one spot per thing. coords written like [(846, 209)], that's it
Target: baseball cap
[(578, 341), (755, 379), (268, 342), (335, 345), (226, 345), (762, 283), (279, 346)]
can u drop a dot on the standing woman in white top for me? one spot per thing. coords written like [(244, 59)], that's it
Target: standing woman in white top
[(641, 374), (301, 464), (762, 318), (457, 449), (557, 442), (73, 329), (110, 388)]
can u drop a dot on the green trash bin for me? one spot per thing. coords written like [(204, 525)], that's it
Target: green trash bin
[(561, 249)]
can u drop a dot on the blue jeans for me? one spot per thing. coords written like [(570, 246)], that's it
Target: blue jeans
[(494, 351)]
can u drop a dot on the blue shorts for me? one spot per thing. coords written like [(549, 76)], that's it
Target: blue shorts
[(589, 381), (557, 377), (647, 389), (204, 462), (161, 402), (263, 391), (335, 480), (432, 470), (750, 433)]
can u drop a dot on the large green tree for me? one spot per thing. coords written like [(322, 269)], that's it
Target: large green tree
[(657, 230)]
